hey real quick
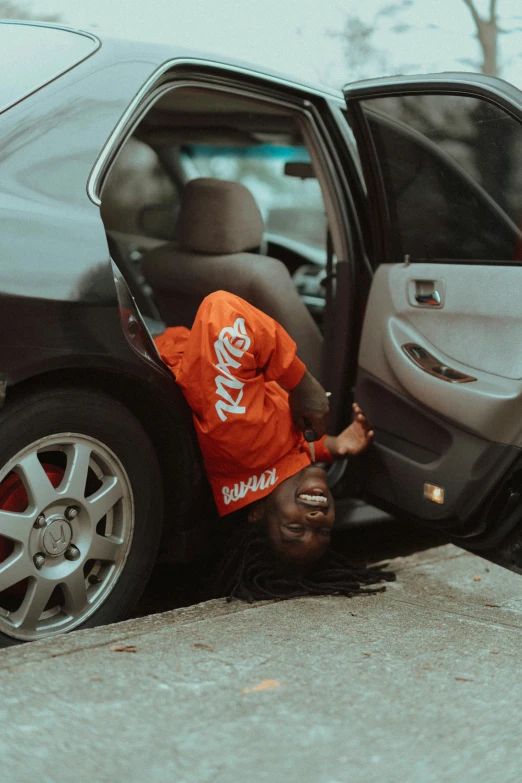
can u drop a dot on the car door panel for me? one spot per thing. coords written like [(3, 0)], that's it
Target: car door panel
[(414, 447), (460, 436), (477, 331), (478, 322)]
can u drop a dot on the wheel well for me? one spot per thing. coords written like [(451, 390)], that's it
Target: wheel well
[(167, 420)]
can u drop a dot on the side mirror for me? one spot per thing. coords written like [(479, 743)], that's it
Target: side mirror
[(158, 220)]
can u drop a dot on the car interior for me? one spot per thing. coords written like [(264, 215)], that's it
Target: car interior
[(217, 190)]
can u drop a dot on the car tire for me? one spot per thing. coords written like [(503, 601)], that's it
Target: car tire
[(80, 512)]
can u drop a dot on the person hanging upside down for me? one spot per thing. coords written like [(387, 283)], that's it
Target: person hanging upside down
[(251, 398)]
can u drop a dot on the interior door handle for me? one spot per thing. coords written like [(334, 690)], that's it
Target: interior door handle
[(426, 293), (427, 362), (432, 298)]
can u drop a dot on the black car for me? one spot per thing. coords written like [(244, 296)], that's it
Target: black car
[(390, 251)]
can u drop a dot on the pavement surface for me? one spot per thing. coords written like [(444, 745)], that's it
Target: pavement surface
[(419, 684)]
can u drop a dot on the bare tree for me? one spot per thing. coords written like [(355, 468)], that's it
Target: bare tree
[(487, 33), (361, 53), (466, 125), (13, 10)]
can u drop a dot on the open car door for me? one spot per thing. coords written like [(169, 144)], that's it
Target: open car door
[(440, 362)]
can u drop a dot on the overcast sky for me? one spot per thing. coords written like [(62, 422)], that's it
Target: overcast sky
[(293, 35)]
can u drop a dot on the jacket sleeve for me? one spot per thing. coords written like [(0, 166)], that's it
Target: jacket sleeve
[(322, 452), (171, 345), (231, 345)]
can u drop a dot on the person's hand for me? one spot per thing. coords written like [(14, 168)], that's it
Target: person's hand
[(309, 405), (354, 439)]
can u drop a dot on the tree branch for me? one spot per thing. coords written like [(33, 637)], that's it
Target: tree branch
[(474, 13), (492, 10)]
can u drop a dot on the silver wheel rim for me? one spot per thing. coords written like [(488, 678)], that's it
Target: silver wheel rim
[(71, 543)]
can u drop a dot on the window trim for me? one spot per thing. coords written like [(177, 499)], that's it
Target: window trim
[(98, 172)]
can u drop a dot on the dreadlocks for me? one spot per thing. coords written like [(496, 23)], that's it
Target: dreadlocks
[(251, 571)]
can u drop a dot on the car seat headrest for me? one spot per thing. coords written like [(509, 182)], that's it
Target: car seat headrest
[(218, 217)]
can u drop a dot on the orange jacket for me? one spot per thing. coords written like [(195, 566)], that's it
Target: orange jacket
[(229, 366)]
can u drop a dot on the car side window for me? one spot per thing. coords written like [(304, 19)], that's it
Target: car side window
[(451, 167)]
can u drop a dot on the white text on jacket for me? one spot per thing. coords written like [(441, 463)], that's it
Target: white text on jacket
[(232, 494), (233, 341)]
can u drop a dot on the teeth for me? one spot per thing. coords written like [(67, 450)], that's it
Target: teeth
[(319, 499)]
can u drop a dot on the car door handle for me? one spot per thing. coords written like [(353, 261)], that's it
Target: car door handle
[(432, 298), (428, 363), (426, 293)]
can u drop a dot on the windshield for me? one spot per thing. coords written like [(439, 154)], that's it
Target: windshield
[(292, 206)]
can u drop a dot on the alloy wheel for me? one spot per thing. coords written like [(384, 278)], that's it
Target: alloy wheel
[(66, 526)]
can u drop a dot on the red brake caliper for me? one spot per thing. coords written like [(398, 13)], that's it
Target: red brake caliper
[(13, 497)]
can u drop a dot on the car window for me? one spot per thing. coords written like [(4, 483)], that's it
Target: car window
[(291, 206), (452, 173), (138, 194), (34, 55)]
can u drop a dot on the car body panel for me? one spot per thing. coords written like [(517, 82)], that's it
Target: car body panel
[(57, 290), (61, 318)]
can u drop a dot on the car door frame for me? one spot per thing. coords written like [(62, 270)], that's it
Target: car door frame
[(314, 107)]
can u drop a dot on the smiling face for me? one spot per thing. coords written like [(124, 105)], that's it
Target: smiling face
[(299, 514)]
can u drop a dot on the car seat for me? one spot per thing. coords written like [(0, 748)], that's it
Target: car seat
[(219, 225)]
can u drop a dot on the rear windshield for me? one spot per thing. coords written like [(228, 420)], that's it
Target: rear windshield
[(32, 56)]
